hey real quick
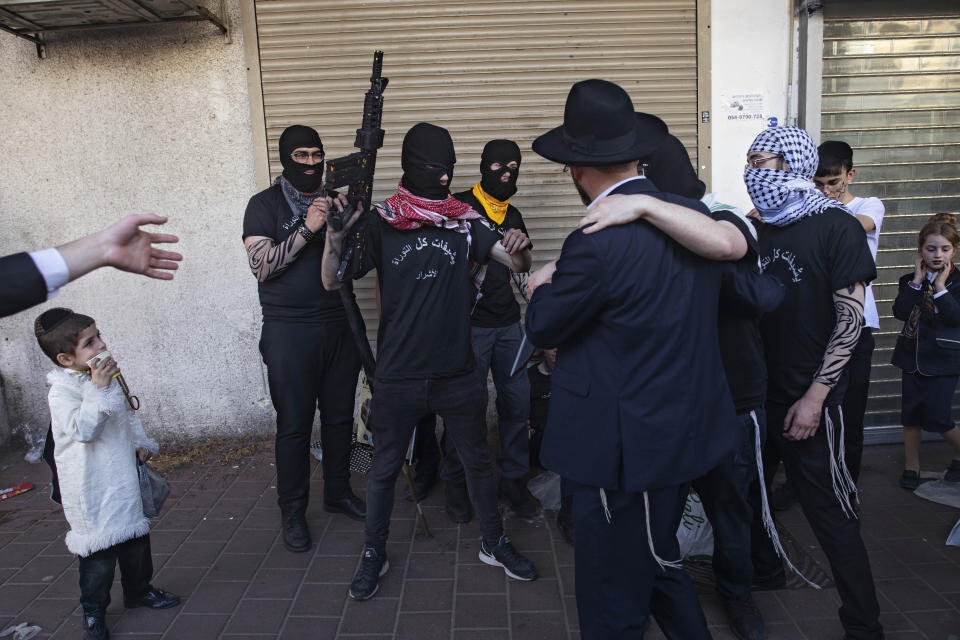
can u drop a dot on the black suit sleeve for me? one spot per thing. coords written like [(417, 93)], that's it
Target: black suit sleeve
[(21, 284), (559, 309)]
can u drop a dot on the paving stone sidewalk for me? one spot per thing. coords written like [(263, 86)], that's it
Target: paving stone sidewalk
[(217, 545)]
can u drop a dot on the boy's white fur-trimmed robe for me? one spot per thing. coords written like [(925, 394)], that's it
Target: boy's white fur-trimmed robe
[(96, 435)]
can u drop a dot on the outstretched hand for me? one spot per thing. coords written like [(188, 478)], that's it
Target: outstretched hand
[(129, 248)]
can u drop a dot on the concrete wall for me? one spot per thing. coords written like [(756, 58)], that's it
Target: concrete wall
[(122, 121), (750, 56)]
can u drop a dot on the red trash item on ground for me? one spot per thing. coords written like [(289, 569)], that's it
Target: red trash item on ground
[(15, 490)]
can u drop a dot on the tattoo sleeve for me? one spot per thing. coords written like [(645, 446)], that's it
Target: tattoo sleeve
[(848, 303), (268, 258)]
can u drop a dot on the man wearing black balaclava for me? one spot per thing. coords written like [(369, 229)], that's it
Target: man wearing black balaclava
[(312, 361), (427, 247), (496, 335)]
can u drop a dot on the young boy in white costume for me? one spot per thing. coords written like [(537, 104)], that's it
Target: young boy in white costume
[(97, 441)]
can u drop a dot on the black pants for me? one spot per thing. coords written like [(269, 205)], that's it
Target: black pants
[(618, 582), (311, 366), (807, 463), (724, 494), (855, 400), (426, 449), (397, 407), (96, 574), (495, 350)]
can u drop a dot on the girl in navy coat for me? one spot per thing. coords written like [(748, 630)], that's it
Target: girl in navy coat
[(928, 347)]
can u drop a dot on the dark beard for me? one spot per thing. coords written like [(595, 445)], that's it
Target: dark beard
[(584, 198)]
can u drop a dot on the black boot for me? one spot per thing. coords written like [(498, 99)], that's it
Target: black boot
[(458, 502), (348, 504), (296, 535), (745, 619), (94, 628)]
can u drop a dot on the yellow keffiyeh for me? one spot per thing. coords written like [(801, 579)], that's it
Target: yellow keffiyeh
[(496, 209)]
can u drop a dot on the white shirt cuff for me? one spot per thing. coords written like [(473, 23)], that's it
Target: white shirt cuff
[(53, 268), (939, 293)]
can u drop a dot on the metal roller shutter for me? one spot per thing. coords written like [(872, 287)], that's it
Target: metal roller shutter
[(891, 89), (481, 69)]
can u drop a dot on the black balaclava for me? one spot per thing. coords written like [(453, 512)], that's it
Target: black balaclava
[(295, 137), (502, 151), (427, 144), (670, 170)]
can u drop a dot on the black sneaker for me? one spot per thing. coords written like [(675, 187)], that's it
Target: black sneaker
[(365, 581), (458, 502), (94, 628), (952, 473), (296, 535), (153, 599), (504, 555), (909, 480), (514, 492), (745, 619)]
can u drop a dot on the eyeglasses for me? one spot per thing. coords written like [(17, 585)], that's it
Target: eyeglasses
[(759, 162), (303, 156)]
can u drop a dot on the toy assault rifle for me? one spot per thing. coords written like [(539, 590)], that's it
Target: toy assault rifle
[(356, 172)]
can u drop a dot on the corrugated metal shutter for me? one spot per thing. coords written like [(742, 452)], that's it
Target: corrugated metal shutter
[(483, 70), (891, 89)]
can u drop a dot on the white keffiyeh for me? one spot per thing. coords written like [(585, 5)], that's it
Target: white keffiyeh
[(784, 197)]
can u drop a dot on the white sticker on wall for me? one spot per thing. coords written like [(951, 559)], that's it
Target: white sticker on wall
[(748, 106)]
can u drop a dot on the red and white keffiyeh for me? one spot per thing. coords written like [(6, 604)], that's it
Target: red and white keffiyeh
[(405, 211)]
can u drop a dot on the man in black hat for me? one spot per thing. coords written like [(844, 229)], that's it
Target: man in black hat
[(312, 361), (496, 335), (634, 317), (725, 489), (427, 247)]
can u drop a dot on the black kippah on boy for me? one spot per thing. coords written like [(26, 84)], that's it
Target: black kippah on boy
[(50, 320)]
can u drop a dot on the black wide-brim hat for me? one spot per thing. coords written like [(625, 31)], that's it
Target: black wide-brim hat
[(600, 127)]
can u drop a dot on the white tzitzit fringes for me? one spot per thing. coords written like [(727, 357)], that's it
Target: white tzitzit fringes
[(837, 477), (673, 564), (606, 509), (767, 517), (847, 476)]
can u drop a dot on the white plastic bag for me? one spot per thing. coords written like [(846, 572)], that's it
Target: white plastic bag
[(545, 487), (695, 534)]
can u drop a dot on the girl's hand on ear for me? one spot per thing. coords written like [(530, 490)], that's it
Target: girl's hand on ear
[(919, 271)]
